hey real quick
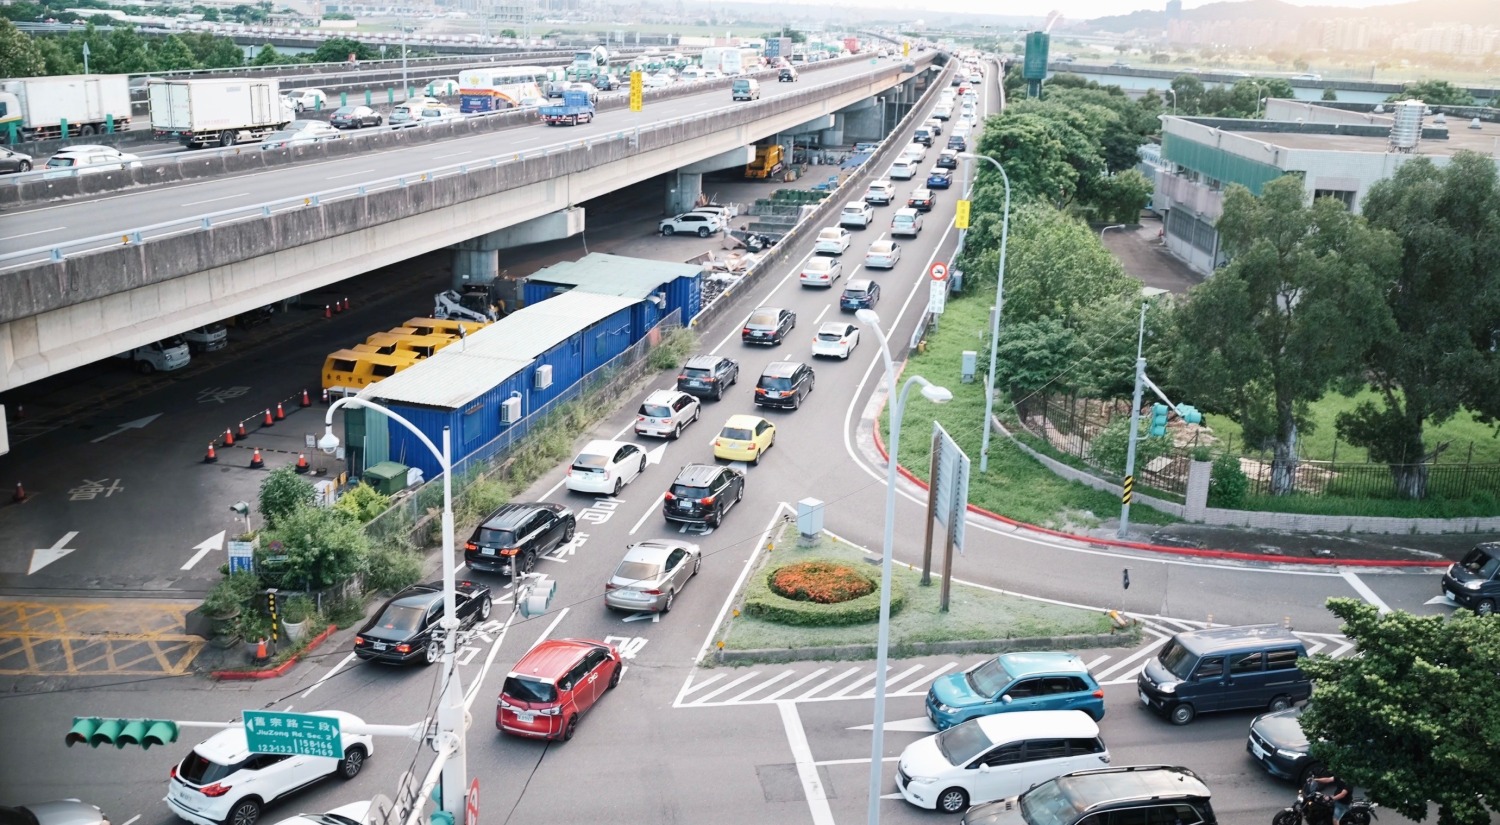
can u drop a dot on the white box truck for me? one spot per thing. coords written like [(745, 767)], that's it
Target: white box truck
[(37, 107), (217, 111), (162, 356)]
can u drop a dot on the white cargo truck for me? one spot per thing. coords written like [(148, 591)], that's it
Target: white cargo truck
[(36, 108), (217, 111), (162, 356)]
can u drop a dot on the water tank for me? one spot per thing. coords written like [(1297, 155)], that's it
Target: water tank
[(1406, 125)]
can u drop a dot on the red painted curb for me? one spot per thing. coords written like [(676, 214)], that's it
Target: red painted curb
[(1157, 548), (279, 670)]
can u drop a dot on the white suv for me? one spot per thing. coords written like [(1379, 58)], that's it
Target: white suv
[(221, 781), (856, 213), (665, 413), (699, 222)]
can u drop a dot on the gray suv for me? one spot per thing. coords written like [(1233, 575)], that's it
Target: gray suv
[(1135, 795)]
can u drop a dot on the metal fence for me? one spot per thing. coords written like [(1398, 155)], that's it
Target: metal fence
[(416, 505), (1070, 425)]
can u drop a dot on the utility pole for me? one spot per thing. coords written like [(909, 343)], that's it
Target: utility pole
[(1135, 412)]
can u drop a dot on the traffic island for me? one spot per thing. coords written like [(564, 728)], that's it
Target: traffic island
[(768, 626), (280, 663)]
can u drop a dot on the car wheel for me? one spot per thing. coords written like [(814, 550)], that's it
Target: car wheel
[(797, 401), (697, 563), (228, 137), (703, 232), (433, 651), (530, 559), (570, 728), (25, 166), (719, 393), (677, 432), (1486, 607), (697, 411), (1278, 704), (1356, 818), (484, 610), (614, 678), (718, 518), (642, 468), (667, 230), (349, 766), (245, 812), (144, 367), (953, 801), (756, 461), (572, 528), (666, 606), (618, 485), (1182, 714)]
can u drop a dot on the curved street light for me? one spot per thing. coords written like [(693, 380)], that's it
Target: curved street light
[(989, 381)]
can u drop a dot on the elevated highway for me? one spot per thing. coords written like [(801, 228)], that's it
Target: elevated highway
[(125, 269)]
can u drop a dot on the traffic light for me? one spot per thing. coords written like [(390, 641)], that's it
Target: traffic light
[(94, 731), (537, 596), (1158, 420), (1190, 414)]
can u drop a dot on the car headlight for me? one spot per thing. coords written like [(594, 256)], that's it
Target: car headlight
[(1472, 584), (942, 708), (1286, 754), (924, 780), (1167, 687)]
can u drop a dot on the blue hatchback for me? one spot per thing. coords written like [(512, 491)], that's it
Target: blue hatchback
[(940, 179), (1015, 682)]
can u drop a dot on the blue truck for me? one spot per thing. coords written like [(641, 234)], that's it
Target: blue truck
[(575, 108)]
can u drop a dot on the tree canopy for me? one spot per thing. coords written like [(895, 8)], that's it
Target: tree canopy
[(1423, 689), (1439, 92), (19, 55)]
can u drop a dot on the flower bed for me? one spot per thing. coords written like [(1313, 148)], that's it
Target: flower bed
[(794, 594), (824, 582)]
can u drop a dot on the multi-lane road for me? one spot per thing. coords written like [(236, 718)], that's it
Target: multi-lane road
[(677, 742)]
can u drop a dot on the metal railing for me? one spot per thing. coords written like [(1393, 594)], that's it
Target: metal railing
[(139, 235)]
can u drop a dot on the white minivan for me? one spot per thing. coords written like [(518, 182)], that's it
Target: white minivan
[(997, 757)]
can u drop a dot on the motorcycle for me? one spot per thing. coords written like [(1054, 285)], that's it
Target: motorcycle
[(1313, 807)]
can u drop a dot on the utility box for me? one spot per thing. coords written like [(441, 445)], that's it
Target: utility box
[(968, 366), (809, 518), (387, 477)]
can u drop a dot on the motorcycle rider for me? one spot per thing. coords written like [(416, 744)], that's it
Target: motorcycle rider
[(1337, 790)]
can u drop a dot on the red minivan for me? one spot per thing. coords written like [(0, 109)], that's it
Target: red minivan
[(554, 684)]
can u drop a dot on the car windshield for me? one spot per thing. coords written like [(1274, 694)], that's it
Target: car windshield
[(684, 491), (1047, 805), (1481, 564), (638, 571), (496, 538), (344, 110), (828, 235), (402, 617), (1176, 659), (763, 319), (853, 210), (961, 743), (200, 770), (736, 433), (529, 690), (656, 411), (589, 462), (432, 113), (988, 678), (59, 162)]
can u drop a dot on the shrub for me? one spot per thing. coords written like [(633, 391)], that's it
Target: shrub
[(392, 569), (763, 602), (824, 582), (1227, 483), (282, 493), (322, 549), (362, 503), (233, 592)]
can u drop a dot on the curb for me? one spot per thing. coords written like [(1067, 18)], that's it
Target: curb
[(1228, 555), (279, 670), (909, 649)]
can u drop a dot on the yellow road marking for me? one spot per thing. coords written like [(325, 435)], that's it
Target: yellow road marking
[(95, 637)]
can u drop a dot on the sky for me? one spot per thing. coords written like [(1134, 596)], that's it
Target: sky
[(1086, 9)]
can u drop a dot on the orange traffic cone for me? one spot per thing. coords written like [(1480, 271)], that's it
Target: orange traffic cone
[(19, 494), (325, 395), (306, 402), (269, 422), (211, 457), (229, 438), (327, 311), (338, 308), (242, 429), (280, 413), (346, 302), (302, 463), (255, 460), (261, 654)]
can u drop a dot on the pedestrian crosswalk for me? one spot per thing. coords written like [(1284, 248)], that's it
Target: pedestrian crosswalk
[(832, 682)]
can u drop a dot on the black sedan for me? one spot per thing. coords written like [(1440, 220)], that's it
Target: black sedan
[(403, 631), (13, 161), (355, 117)]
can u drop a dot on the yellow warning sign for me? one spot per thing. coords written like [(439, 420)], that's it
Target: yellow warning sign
[(961, 219)]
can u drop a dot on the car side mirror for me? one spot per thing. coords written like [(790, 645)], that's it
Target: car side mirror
[(984, 768), (1006, 699)]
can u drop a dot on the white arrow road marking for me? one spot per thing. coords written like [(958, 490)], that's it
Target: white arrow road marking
[(807, 771), (128, 425), (916, 724), (1441, 600), (654, 456), (1365, 592), (43, 556), (642, 616), (205, 547)]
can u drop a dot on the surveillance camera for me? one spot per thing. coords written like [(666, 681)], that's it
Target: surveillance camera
[(241, 507)]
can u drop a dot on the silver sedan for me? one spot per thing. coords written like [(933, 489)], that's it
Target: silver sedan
[(651, 574), (883, 255)]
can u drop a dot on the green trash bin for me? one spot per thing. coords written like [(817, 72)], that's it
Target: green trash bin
[(387, 477)]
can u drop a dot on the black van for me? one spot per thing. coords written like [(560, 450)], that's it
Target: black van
[(1225, 668)]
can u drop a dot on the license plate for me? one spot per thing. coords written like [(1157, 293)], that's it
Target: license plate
[(1260, 753), (487, 551), (1145, 700), (1449, 594), (684, 505), (525, 717), (380, 646)]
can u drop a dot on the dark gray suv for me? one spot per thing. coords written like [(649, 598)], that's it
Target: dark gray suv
[(1134, 795), (707, 376), (702, 494)]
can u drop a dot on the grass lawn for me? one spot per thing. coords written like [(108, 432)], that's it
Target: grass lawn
[(1463, 430), (975, 614), (1016, 486)]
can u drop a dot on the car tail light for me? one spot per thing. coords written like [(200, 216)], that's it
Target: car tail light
[(552, 711), (671, 497), (510, 551), (359, 641), (718, 443), (710, 380), (1099, 694), (403, 649), (172, 774), (652, 592), (640, 418), (707, 502), (682, 378), (469, 545), (745, 331), (753, 447), (504, 705), (611, 586), (761, 390), (215, 789)]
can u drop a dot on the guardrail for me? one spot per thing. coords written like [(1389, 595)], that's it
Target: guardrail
[(637, 137)]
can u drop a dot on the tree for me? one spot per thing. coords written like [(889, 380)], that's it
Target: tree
[(267, 56), (362, 503), (1050, 153), (1444, 298), (1055, 265), (283, 492), (1330, 94), (1290, 316), (1422, 688), (1187, 94), (174, 54), (338, 49), (1032, 355), (19, 55), (323, 548), (1121, 197), (1434, 92), (511, 33), (1107, 333)]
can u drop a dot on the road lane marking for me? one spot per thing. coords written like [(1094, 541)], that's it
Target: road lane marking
[(655, 506), (807, 769), (898, 677), (920, 686), (821, 314), (204, 548), (329, 675), (349, 174), (29, 234), (1365, 592), (764, 301), (1147, 650), (489, 658), (216, 200), (713, 628), (762, 686), (857, 683), (728, 685), (550, 628), (826, 683), (863, 760), (699, 686), (799, 683), (1097, 662), (915, 724)]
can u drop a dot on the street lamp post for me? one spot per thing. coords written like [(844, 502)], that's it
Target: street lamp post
[(989, 381), (1173, 93), (937, 395), (1107, 228), (450, 715)]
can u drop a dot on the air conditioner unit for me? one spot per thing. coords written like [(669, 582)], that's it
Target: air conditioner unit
[(543, 378), (510, 410)]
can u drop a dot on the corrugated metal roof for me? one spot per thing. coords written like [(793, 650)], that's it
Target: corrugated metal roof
[(605, 274), (448, 380), (531, 331)]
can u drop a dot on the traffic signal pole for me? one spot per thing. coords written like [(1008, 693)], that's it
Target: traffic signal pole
[(1135, 424)]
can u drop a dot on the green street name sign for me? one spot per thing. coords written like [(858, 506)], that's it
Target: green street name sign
[(297, 734)]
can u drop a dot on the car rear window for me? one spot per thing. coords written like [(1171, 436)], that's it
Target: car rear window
[(529, 690), (590, 462), (200, 770), (854, 293), (773, 383), (684, 491), (656, 411), (496, 538), (638, 571), (765, 319), (853, 210), (401, 617), (737, 433), (829, 335), (697, 372)]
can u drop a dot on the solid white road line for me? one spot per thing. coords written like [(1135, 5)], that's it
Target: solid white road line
[(762, 686), (807, 769), (699, 686), (131, 821), (1364, 591), (847, 689), (550, 628), (27, 235), (864, 760), (1146, 650), (763, 302), (821, 314), (891, 682), (727, 685), (216, 200), (827, 683), (489, 659), (655, 507), (350, 174), (1097, 662), (738, 583), (329, 675)]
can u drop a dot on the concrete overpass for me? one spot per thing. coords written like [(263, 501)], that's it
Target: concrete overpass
[(296, 233)]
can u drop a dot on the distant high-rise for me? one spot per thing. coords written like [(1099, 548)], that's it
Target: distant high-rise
[(1174, 9)]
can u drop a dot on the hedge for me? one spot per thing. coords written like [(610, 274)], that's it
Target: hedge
[(764, 603)]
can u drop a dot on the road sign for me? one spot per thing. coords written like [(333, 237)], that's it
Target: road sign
[(937, 296), (297, 734), (938, 271), (636, 88), (952, 483), (471, 808), (961, 218)]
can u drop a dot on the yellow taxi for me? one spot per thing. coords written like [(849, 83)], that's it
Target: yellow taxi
[(744, 438)]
